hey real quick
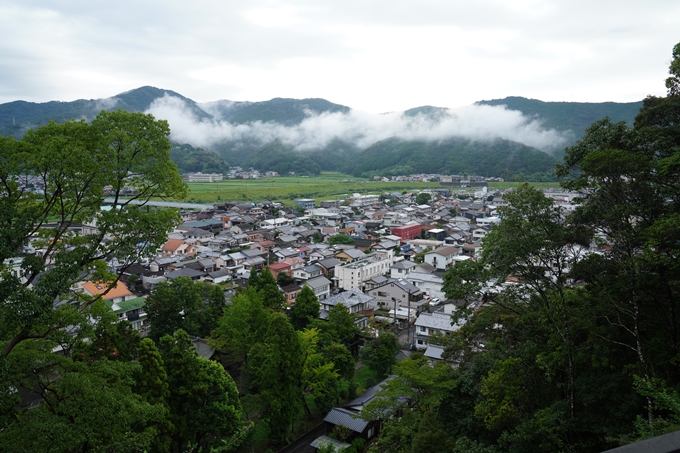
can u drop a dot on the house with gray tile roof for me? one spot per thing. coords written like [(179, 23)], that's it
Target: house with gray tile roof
[(320, 285), (430, 323)]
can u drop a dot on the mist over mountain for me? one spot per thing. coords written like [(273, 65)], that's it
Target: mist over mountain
[(497, 137)]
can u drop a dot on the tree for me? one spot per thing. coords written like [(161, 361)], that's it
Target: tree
[(319, 378), (423, 198), (72, 163), (272, 296), (203, 399), (216, 303), (91, 407), (152, 385), (340, 239), (305, 309), (341, 358), (243, 325), (277, 365), (174, 305), (380, 353), (342, 328)]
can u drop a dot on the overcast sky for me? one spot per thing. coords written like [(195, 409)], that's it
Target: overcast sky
[(371, 55)]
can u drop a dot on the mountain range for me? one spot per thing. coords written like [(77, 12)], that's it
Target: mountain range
[(499, 137)]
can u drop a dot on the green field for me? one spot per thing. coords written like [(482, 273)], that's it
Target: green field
[(327, 186)]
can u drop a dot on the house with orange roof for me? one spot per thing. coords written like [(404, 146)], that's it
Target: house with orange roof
[(177, 247), (119, 292)]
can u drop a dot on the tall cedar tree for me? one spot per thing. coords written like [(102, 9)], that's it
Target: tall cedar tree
[(305, 309), (203, 400), (276, 365)]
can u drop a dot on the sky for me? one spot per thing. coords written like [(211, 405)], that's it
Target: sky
[(371, 55)]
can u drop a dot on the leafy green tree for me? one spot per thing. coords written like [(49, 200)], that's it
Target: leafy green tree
[(91, 407), (243, 325), (203, 400), (423, 198), (319, 378), (76, 160), (341, 358), (272, 296), (152, 385), (173, 305), (341, 327), (284, 279), (216, 303), (340, 239), (305, 309), (277, 366), (380, 353)]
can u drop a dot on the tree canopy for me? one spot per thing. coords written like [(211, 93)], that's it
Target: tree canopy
[(569, 320)]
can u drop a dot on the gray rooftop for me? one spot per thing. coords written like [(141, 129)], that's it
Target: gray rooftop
[(437, 321), (348, 298), (347, 418)]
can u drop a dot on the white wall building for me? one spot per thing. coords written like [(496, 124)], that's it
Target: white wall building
[(354, 274)]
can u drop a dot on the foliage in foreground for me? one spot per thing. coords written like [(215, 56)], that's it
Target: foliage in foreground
[(571, 349)]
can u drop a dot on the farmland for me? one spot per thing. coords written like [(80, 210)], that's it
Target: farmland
[(327, 186)]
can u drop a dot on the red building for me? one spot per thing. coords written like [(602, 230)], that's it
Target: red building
[(407, 232)]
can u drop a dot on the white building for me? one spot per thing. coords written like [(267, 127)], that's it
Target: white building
[(430, 284), (203, 177), (354, 274)]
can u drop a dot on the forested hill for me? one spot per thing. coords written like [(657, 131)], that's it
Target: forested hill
[(456, 155), (569, 116), (273, 135), (278, 110), (19, 116)]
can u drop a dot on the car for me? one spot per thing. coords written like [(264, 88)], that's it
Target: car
[(435, 301)]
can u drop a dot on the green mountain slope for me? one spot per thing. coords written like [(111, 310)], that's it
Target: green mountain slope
[(569, 116), (280, 110), (498, 157), (19, 116)]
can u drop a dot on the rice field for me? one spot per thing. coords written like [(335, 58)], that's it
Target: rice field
[(327, 186)]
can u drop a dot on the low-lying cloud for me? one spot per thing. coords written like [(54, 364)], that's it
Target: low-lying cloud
[(474, 122)]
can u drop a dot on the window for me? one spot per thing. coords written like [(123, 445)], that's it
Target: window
[(423, 329)]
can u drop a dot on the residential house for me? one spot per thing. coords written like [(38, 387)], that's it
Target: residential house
[(307, 272), (430, 284), (443, 257), (131, 310), (118, 293), (349, 417), (280, 268), (398, 292), (356, 302), (177, 247), (320, 285), (349, 254), (291, 292), (401, 269), (430, 323)]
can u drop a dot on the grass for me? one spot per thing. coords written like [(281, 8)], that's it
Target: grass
[(365, 378), (327, 186)]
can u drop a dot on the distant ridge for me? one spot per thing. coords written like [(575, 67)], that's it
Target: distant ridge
[(386, 156), (569, 116)]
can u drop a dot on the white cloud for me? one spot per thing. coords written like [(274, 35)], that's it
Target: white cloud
[(476, 122)]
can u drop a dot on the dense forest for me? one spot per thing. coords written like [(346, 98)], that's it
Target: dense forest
[(571, 350), (190, 160), (455, 156)]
